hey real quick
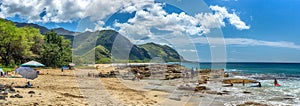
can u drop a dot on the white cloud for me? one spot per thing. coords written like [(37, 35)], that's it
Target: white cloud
[(221, 13), (151, 15), (64, 10), (246, 42), (57, 10), (137, 28), (190, 50)]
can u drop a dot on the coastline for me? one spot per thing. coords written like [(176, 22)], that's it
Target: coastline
[(85, 87)]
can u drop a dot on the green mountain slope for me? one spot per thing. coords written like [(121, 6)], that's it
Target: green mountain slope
[(164, 52), (119, 46), (100, 54), (109, 44)]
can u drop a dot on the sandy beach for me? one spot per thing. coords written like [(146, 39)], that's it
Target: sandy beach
[(84, 87), (51, 88), (54, 87)]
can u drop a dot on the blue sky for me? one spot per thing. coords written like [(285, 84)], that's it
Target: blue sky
[(253, 30)]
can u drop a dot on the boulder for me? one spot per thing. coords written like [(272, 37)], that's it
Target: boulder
[(2, 97), (31, 92), (238, 80), (18, 96), (200, 88), (249, 103), (12, 96)]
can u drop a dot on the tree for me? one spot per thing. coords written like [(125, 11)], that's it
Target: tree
[(57, 50), (13, 44), (36, 41)]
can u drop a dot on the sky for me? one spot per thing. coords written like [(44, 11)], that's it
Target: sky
[(200, 30)]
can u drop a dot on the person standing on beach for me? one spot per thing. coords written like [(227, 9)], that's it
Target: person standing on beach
[(62, 69), (192, 73), (138, 76)]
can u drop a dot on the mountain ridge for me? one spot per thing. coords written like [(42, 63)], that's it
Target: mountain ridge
[(105, 40)]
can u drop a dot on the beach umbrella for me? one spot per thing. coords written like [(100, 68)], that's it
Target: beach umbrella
[(32, 64), (71, 64), (1, 71), (27, 72)]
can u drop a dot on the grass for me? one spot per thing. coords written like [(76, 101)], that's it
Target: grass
[(7, 69)]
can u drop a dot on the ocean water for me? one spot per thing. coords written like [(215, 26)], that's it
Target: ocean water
[(287, 74), (279, 69)]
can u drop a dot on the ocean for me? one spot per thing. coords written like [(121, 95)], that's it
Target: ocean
[(287, 74), (280, 69)]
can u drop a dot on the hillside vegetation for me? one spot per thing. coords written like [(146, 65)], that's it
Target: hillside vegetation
[(23, 42)]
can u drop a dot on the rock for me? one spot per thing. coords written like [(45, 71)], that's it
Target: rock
[(226, 75), (35, 104), (175, 97), (12, 90), (252, 104), (214, 92), (225, 92), (31, 92), (238, 80), (18, 96), (2, 86), (288, 98), (2, 97), (246, 92), (2, 89), (12, 96), (202, 82), (276, 99), (4, 93), (182, 87), (200, 88)]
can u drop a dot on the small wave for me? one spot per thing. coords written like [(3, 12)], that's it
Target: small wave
[(267, 76), (232, 70)]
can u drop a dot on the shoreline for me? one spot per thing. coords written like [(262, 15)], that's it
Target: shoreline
[(86, 87)]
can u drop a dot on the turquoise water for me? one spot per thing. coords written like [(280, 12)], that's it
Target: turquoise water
[(279, 69), (287, 74)]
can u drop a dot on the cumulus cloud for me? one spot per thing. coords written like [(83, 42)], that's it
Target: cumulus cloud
[(221, 13), (64, 10), (69, 10), (247, 42), (152, 15), (55, 10), (189, 50), (149, 16)]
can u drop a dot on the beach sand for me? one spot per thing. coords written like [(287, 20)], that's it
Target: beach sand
[(73, 87), (54, 88)]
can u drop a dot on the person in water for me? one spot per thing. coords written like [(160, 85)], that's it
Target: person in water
[(276, 82), (259, 84)]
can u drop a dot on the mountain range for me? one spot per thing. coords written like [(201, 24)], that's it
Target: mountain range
[(106, 46)]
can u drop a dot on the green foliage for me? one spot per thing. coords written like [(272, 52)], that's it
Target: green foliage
[(35, 40), (19, 45), (57, 50), (8, 69), (14, 44), (103, 60), (164, 52), (106, 40)]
